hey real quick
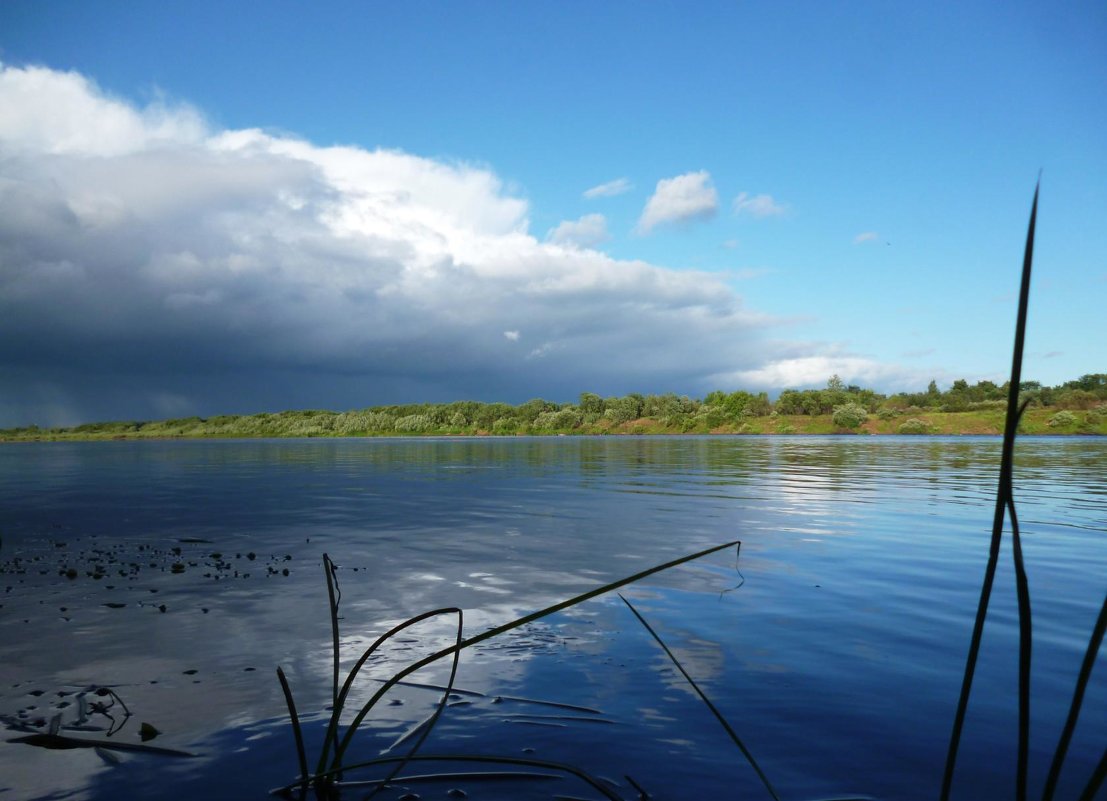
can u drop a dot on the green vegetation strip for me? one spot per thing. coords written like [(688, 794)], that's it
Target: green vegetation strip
[(1075, 407)]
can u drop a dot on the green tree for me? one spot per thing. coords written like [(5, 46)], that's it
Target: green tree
[(624, 409), (531, 409), (590, 403), (489, 413)]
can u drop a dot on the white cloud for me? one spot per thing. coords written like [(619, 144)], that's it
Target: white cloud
[(759, 206), (813, 371), (512, 336), (541, 351), (589, 231), (64, 112), (684, 197), (867, 236), (610, 189)]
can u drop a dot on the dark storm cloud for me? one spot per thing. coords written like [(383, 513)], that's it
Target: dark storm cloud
[(149, 267)]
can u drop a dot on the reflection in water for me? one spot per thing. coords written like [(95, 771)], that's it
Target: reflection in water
[(838, 660)]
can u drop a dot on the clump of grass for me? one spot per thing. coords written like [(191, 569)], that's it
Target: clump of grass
[(327, 778)]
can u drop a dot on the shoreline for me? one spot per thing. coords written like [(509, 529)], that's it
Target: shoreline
[(1040, 421)]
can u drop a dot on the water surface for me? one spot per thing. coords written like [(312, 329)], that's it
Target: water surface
[(834, 645)]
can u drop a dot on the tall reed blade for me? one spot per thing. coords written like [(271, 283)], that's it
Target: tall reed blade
[(1086, 666), (1094, 783), (334, 596), (301, 752), (1022, 590), (1003, 501)]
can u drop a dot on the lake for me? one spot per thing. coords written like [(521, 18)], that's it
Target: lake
[(181, 573)]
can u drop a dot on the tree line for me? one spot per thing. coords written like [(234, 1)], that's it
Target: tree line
[(1078, 404)]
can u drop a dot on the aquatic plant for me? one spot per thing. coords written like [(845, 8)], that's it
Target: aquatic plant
[(327, 778)]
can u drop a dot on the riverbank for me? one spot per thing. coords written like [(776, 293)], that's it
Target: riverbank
[(298, 424)]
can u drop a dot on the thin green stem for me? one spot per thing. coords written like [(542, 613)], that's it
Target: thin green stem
[(703, 697)]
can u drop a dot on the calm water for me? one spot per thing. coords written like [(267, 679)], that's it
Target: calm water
[(834, 645)]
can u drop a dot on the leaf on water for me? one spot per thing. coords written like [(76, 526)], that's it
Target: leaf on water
[(570, 718), (107, 756), (413, 731), (147, 732), (539, 701)]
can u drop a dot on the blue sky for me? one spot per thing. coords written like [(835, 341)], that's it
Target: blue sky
[(806, 189)]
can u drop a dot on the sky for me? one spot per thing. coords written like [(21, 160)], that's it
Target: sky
[(215, 208)]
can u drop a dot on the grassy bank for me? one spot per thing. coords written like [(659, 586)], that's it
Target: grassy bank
[(372, 423)]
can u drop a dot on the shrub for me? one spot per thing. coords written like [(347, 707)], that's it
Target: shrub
[(414, 422), (914, 426), (1063, 419), (623, 410), (888, 413), (566, 418), (505, 425), (849, 415), (710, 417), (977, 406), (379, 421), (1077, 399)]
